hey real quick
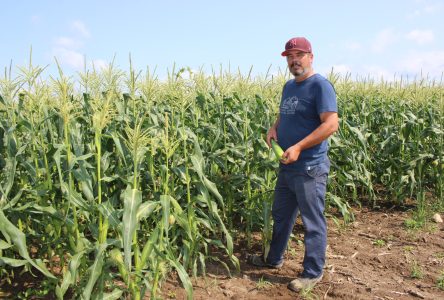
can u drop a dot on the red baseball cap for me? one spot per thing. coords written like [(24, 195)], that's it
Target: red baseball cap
[(297, 43)]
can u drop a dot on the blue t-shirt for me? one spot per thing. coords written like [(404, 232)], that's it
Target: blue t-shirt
[(300, 109)]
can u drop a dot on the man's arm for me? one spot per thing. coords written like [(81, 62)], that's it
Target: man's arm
[(329, 124), (272, 133)]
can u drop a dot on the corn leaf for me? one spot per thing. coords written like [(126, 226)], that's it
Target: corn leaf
[(94, 271), (69, 277), (18, 238), (132, 199)]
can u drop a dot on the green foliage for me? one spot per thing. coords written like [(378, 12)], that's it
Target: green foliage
[(44, 290), (411, 223), (440, 281), (263, 284), (379, 243), (416, 271), (128, 176)]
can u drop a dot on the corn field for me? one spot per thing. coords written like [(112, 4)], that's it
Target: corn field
[(112, 180)]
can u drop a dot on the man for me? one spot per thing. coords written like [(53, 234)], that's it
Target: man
[(307, 117)]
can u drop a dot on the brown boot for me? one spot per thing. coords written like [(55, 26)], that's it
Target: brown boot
[(258, 261), (303, 283)]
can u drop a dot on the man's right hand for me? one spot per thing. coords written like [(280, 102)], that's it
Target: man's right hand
[(272, 134)]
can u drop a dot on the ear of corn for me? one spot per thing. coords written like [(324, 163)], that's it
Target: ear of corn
[(278, 152)]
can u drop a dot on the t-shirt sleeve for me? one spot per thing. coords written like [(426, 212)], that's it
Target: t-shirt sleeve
[(326, 98)]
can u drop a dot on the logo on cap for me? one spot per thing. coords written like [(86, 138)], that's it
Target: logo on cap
[(297, 43)]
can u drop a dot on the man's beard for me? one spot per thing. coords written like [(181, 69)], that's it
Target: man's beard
[(299, 71)]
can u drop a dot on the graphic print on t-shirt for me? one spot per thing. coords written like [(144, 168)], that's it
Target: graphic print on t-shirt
[(289, 105)]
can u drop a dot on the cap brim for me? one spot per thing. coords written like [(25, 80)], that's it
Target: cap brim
[(286, 52)]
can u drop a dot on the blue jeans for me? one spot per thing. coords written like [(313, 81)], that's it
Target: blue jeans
[(301, 190)]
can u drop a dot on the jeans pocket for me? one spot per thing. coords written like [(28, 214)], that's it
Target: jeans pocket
[(317, 170), (312, 171)]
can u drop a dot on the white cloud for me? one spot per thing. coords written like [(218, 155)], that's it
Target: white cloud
[(383, 40), (67, 49), (378, 72), (99, 64), (66, 42), (80, 28), (428, 63), (69, 57), (361, 72), (421, 37), (416, 13), (432, 8), (425, 9), (343, 69)]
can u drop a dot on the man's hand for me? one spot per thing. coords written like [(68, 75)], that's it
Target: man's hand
[(329, 124), (291, 154), (271, 135)]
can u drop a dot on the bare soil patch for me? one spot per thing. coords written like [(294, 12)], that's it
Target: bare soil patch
[(376, 257)]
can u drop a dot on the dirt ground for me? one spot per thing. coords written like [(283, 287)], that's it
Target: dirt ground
[(376, 257)]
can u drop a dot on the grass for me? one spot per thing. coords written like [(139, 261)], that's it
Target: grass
[(263, 284), (408, 249), (308, 294), (292, 252), (172, 295), (440, 281), (416, 271), (379, 243)]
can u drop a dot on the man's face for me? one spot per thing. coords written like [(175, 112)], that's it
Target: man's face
[(299, 63)]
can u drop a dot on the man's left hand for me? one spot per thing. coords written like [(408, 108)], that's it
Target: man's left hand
[(291, 154)]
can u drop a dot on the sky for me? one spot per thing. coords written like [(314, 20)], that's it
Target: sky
[(379, 38)]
